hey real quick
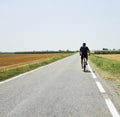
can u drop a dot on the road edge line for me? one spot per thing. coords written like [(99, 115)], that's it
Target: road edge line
[(108, 102)]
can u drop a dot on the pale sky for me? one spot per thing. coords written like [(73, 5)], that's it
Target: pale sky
[(27, 25)]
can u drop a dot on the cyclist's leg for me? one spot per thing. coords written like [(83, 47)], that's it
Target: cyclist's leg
[(86, 59)]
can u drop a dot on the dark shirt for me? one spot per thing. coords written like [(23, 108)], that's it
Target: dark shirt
[(84, 50)]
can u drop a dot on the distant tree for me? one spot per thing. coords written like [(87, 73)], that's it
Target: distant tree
[(105, 48), (60, 50), (67, 50)]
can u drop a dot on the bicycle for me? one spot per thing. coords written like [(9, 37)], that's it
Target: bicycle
[(84, 63)]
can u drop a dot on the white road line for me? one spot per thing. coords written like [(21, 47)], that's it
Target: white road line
[(2, 82), (109, 103), (112, 108), (100, 87), (94, 76)]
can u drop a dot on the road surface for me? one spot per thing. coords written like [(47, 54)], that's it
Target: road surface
[(60, 89)]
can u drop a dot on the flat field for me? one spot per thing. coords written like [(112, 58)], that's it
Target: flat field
[(110, 56), (13, 61), (109, 63), (15, 64), (108, 66)]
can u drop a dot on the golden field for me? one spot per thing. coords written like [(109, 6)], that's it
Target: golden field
[(110, 56), (12, 61)]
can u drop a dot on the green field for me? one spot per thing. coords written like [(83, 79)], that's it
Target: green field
[(108, 66), (111, 66)]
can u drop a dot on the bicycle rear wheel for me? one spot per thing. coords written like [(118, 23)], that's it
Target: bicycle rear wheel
[(84, 64)]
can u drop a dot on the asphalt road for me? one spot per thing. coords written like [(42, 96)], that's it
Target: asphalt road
[(60, 89)]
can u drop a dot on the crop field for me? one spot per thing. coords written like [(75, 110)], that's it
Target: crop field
[(110, 56), (108, 65), (13, 61), (15, 64)]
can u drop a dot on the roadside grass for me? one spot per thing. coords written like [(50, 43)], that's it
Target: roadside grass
[(111, 66), (14, 72), (109, 69)]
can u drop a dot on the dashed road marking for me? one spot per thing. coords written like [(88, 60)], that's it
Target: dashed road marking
[(100, 87), (109, 103), (94, 76), (112, 108), (15, 77)]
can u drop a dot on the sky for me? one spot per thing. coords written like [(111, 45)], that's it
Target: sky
[(37, 25)]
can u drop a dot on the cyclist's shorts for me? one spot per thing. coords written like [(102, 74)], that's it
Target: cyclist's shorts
[(86, 56)]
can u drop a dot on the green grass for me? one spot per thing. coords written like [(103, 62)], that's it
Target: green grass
[(10, 73), (108, 65)]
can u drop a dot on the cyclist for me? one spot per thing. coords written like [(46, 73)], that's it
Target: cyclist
[(84, 51)]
